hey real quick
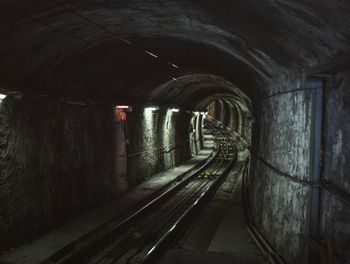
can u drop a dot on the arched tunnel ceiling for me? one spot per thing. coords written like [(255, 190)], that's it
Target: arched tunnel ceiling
[(198, 90), (74, 47)]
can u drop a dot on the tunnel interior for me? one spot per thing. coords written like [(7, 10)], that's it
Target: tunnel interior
[(273, 73)]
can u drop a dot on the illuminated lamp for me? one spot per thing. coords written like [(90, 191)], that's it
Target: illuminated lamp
[(152, 108), (2, 97), (122, 107)]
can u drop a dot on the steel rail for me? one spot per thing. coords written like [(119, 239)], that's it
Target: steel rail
[(176, 204), (71, 253), (121, 248), (114, 254), (164, 241), (194, 191)]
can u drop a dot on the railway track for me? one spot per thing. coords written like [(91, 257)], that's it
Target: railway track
[(144, 234)]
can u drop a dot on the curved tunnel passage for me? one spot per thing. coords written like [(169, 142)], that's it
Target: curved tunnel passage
[(274, 72)]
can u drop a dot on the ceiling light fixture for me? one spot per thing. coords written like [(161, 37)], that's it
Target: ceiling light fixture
[(2, 97), (152, 108), (122, 106), (151, 54)]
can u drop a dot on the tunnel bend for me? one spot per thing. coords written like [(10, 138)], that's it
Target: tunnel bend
[(156, 123), (155, 140)]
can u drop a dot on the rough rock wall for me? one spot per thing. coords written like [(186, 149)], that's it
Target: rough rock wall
[(285, 127), (335, 212), (280, 206), (56, 160), (159, 140)]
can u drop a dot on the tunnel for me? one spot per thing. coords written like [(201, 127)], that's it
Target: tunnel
[(107, 106)]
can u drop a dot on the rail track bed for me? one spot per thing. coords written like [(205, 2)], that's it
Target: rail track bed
[(142, 236)]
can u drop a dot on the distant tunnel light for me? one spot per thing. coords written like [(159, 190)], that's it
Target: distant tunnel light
[(175, 110)]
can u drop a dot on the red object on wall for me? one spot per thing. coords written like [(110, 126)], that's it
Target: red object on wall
[(120, 114)]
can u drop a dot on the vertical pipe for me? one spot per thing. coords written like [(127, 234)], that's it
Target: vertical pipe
[(198, 132), (195, 122), (192, 136), (316, 154), (201, 141)]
